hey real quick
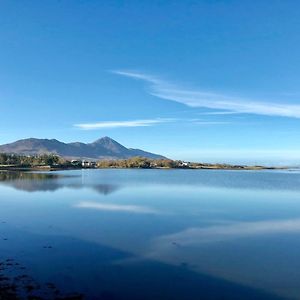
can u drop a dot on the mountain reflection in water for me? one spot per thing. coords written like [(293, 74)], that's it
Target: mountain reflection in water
[(50, 182)]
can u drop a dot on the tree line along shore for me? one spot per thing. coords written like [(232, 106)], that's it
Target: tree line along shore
[(54, 162)]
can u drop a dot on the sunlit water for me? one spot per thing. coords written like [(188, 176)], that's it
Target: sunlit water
[(153, 234)]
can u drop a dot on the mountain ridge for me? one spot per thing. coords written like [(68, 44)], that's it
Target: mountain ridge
[(103, 148)]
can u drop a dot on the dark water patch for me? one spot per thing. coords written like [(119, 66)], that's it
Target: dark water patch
[(96, 271), (15, 284)]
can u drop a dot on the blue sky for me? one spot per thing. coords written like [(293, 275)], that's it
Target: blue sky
[(196, 80)]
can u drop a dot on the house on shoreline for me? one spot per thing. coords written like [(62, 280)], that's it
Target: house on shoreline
[(83, 163), (88, 164)]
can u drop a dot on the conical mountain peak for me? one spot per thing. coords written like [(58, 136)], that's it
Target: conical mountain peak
[(103, 148)]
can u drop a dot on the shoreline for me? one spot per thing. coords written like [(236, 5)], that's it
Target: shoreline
[(204, 167), (11, 162)]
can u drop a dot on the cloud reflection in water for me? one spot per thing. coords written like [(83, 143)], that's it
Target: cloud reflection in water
[(197, 236), (116, 207)]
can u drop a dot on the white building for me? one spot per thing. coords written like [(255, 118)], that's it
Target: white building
[(88, 164)]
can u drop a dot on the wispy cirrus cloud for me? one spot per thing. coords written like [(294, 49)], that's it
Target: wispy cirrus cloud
[(212, 100), (118, 124), (219, 113), (211, 123), (143, 123)]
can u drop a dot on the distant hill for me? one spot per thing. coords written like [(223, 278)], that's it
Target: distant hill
[(104, 148)]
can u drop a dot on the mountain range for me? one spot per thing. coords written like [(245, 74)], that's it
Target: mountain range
[(103, 148)]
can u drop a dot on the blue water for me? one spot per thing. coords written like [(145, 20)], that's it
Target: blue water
[(152, 234)]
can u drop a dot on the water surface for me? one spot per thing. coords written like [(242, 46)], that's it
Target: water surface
[(151, 234)]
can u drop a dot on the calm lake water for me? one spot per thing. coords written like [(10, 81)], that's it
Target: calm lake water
[(150, 234)]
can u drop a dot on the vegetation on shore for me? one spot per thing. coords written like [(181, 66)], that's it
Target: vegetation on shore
[(145, 163), (29, 161), (52, 162)]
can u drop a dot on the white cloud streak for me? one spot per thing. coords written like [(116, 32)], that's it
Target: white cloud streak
[(210, 123), (142, 123), (120, 124), (212, 100), (217, 113), (116, 207)]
